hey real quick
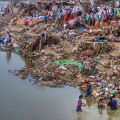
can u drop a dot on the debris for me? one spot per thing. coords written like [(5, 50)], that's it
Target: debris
[(61, 48)]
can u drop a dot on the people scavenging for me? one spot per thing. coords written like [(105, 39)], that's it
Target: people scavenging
[(80, 104), (112, 104), (89, 91), (101, 103), (7, 41)]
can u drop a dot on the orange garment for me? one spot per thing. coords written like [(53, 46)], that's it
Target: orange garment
[(96, 25), (31, 24), (104, 24), (15, 19)]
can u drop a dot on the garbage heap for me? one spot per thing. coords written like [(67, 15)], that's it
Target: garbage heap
[(58, 53)]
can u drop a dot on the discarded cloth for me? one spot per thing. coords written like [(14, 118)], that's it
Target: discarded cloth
[(66, 62)]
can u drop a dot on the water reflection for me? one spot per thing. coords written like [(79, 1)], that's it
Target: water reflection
[(8, 55), (113, 114), (91, 111), (100, 111)]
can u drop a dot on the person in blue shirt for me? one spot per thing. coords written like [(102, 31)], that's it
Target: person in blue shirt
[(116, 102), (46, 17), (112, 104), (89, 91)]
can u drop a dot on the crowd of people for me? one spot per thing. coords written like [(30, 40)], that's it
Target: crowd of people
[(95, 16), (106, 95)]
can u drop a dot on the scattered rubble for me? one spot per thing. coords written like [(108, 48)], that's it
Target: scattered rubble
[(41, 43)]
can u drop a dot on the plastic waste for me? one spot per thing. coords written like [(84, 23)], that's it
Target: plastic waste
[(1, 40), (30, 78), (98, 79), (72, 32), (81, 29), (15, 45), (62, 67), (64, 62), (40, 78), (92, 76), (17, 51), (101, 41)]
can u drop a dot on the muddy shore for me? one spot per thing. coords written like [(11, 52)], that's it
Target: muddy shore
[(60, 62)]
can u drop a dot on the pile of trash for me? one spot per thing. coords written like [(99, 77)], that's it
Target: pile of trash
[(63, 51)]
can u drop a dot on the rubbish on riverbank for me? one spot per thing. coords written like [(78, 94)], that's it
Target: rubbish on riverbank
[(30, 78), (17, 51), (81, 48)]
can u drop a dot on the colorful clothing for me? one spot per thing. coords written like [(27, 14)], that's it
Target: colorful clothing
[(112, 105), (79, 106), (88, 92)]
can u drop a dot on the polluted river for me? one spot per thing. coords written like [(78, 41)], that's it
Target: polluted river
[(21, 100)]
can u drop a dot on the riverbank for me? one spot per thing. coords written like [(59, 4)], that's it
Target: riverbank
[(73, 56)]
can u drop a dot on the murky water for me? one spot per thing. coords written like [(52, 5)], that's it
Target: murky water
[(90, 112), (19, 100)]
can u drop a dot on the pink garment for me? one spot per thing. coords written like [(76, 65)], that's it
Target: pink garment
[(25, 21), (71, 22), (79, 105)]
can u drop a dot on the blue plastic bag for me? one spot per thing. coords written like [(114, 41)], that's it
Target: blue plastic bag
[(101, 41), (30, 78), (81, 29), (1, 40)]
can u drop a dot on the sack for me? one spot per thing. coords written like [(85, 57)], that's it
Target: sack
[(95, 94)]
